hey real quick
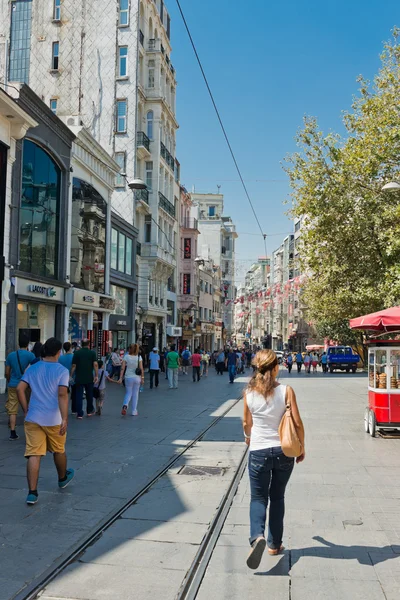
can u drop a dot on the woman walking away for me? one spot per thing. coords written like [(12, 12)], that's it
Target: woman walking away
[(314, 362), (132, 368), (289, 363), (269, 469), (307, 362)]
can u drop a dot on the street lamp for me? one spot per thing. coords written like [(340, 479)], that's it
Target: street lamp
[(137, 184), (392, 186)]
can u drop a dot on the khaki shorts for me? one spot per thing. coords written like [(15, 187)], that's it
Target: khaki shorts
[(12, 403), (40, 440)]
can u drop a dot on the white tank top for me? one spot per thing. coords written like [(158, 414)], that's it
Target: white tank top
[(132, 363), (267, 414)]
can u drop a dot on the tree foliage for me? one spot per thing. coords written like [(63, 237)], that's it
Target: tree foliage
[(351, 228)]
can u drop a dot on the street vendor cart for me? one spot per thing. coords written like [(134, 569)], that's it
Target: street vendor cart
[(383, 411)]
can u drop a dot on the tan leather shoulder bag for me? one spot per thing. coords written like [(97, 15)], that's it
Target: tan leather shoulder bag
[(290, 442)]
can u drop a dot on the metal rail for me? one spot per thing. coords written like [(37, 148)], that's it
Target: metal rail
[(31, 591)]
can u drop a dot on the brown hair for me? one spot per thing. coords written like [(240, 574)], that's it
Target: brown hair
[(133, 349), (262, 381)]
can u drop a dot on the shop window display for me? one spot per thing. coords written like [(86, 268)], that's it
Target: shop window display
[(39, 213), (36, 320), (78, 326), (120, 296), (88, 243)]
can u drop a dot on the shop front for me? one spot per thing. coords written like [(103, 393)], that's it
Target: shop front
[(39, 311), (121, 321), (174, 335), (207, 336), (89, 319)]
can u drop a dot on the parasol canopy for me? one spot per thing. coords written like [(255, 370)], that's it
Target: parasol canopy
[(383, 320)]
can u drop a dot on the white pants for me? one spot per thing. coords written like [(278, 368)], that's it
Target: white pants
[(173, 378), (132, 385)]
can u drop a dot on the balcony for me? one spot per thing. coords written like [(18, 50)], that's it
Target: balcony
[(142, 195), (166, 205), (141, 37), (138, 249), (154, 252), (167, 156), (190, 223), (143, 145)]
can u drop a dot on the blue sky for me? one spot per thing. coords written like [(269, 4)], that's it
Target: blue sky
[(268, 65)]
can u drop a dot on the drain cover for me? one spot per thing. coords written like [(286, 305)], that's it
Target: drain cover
[(354, 522), (191, 470)]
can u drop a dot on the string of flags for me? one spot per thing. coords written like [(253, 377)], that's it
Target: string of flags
[(272, 295)]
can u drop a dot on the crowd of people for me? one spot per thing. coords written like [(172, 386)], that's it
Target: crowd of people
[(310, 360)]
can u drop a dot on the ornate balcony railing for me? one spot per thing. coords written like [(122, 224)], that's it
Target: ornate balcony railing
[(167, 156), (138, 248), (143, 140), (143, 195), (166, 204), (190, 223)]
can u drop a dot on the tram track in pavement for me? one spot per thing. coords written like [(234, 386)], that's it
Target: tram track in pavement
[(193, 578)]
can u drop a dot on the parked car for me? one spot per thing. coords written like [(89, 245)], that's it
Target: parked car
[(342, 358)]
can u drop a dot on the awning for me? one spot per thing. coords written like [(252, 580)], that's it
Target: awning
[(384, 320)]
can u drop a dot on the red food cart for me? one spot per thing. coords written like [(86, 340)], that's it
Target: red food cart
[(383, 411)]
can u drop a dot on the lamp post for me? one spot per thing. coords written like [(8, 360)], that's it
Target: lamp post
[(392, 187)]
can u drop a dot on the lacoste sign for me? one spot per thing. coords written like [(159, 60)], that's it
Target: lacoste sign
[(50, 292)]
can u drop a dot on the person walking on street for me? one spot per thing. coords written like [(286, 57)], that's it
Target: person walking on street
[(314, 362), (299, 361), (99, 389), (116, 363), (66, 361), (185, 360), (220, 362), (324, 362), (307, 362), (196, 361), (16, 365), (84, 363), (289, 362), (132, 369), (166, 362), (173, 362), (37, 350), (154, 359), (46, 418), (231, 363), (205, 360), (269, 469)]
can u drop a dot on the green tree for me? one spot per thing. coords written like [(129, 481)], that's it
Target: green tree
[(351, 229)]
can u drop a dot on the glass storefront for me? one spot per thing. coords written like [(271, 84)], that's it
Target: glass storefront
[(121, 297), (39, 212), (88, 237), (120, 340), (78, 326), (36, 320)]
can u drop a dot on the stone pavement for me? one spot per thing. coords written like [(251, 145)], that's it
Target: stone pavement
[(114, 458), (342, 524)]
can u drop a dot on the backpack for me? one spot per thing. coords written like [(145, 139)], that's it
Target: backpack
[(186, 354)]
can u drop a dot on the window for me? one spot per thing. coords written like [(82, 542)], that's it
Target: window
[(39, 212), (121, 252), (123, 13), (149, 175), (53, 105), (57, 10), (121, 296), (211, 211), (151, 79), (187, 249), (88, 237), (123, 61), (150, 117), (121, 116), (200, 313), (55, 55), (206, 287), (120, 159), (147, 228), (20, 41), (186, 283), (168, 26)]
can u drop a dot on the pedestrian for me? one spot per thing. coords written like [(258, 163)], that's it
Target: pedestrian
[(132, 370), (173, 363), (205, 360), (116, 363), (220, 362), (307, 362), (196, 362), (314, 362), (185, 360), (231, 363), (99, 389), (84, 363), (324, 362), (269, 469), (289, 362), (46, 416), (16, 365), (162, 361), (154, 365), (37, 351), (166, 362), (66, 361), (299, 361)]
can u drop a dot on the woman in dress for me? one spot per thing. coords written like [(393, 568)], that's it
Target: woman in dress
[(269, 469), (132, 368)]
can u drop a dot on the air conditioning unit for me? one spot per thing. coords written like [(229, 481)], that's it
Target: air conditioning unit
[(174, 331)]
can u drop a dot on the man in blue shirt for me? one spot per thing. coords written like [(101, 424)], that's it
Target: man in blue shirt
[(299, 361), (16, 365), (231, 362), (154, 361), (66, 361), (186, 354)]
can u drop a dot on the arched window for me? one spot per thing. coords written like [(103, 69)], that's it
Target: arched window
[(150, 120), (39, 216), (151, 29)]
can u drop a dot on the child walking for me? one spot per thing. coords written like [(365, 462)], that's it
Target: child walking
[(99, 390)]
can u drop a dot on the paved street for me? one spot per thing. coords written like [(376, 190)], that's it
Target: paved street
[(114, 457), (342, 532)]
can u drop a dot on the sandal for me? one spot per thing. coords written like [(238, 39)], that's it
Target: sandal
[(275, 551), (256, 552), (123, 411)]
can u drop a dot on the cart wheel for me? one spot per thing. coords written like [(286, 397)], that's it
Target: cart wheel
[(372, 423), (366, 420)]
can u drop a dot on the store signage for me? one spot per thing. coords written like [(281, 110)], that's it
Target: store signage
[(187, 248), (88, 299), (207, 328), (186, 283), (50, 292), (122, 322)]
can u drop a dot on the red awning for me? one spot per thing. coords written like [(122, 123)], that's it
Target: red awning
[(384, 320)]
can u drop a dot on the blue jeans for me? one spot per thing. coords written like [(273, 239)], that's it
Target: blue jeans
[(89, 398), (269, 472), (232, 372)]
